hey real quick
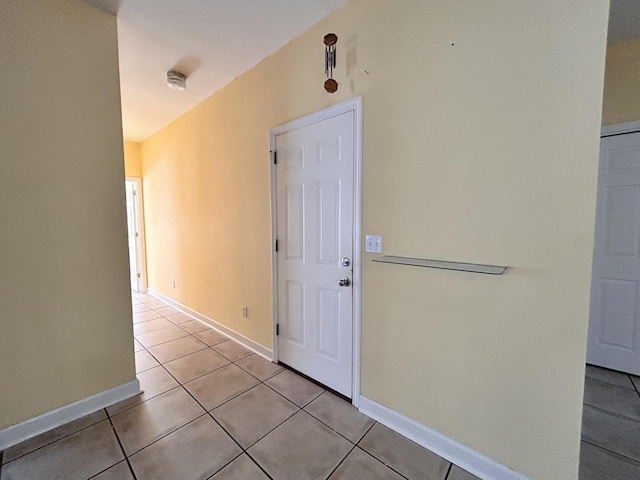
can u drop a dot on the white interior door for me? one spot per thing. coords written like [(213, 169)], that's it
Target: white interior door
[(134, 230), (614, 325), (315, 218)]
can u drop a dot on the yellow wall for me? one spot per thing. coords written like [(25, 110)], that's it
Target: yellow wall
[(481, 126), (622, 83), (132, 160), (65, 304)]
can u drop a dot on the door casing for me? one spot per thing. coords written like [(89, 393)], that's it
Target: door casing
[(140, 242), (355, 106)]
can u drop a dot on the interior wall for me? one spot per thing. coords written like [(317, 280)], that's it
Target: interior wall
[(65, 304), (132, 160), (481, 126), (621, 101)]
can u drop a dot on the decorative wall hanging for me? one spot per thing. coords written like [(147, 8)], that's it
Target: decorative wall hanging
[(330, 40)]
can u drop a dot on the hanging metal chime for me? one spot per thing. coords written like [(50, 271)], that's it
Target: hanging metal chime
[(330, 40)]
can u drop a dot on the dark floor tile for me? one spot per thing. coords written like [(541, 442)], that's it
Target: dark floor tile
[(252, 415), (195, 451), (340, 415), (612, 398), (457, 473), (611, 377), (612, 432), (599, 464), (361, 465), (295, 388), (403, 455), (301, 448), (259, 367), (242, 468), (119, 471), (221, 385), (76, 457), (51, 436)]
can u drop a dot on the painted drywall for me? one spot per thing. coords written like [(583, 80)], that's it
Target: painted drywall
[(65, 304), (621, 101), (481, 126), (132, 160)]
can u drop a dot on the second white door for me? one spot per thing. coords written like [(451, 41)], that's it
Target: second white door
[(614, 325), (315, 216)]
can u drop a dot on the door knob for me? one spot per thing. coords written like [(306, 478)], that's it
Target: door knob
[(344, 282), (345, 262)]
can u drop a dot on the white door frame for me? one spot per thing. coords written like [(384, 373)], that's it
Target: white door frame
[(140, 242), (354, 105)]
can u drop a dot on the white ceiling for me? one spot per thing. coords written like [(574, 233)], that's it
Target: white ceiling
[(210, 41), (215, 41)]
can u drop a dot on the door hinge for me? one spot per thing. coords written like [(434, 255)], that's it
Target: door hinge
[(138, 275), (275, 157), (276, 244), (277, 329), (137, 234), (135, 192)]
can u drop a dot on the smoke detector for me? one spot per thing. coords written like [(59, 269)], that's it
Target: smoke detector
[(176, 80)]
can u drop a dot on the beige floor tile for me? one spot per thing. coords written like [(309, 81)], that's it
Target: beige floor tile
[(77, 456), (457, 473), (194, 326), (232, 350), (599, 464), (145, 316), (178, 318), (340, 415), (177, 348), (211, 337), (297, 389), (145, 297), (145, 423), (215, 388), (403, 455), (144, 361), (151, 326), (51, 436), (172, 332), (259, 367), (153, 382), (155, 304), (359, 464), (119, 471), (196, 364), (299, 449), (135, 301), (242, 468), (140, 307), (136, 346), (195, 451), (252, 415), (166, 310)]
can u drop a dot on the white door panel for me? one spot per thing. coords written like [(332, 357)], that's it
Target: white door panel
[(614, 326), (315, 232)]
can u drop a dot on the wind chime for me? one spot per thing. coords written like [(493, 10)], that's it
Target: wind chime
[(330, 40)]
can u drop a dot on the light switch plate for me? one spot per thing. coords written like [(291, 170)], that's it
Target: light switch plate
[(373, 244)]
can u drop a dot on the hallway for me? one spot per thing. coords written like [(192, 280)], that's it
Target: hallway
[(213, 409)]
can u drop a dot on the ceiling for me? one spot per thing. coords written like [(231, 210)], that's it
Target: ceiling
[(214, 41), (210, 41)]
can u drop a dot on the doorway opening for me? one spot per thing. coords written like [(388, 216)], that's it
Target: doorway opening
[(135, 232)]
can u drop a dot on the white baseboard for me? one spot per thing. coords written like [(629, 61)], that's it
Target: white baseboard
[(458, 454), (220, 328), (43, 423)]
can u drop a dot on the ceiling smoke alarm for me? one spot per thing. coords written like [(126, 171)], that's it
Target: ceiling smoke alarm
[(176, 80)]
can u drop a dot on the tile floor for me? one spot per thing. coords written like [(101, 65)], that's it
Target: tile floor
[(212, 409), (610, 426)]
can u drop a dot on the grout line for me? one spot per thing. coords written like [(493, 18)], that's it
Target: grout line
[(636, 420), (448, 471), (611, 384), (126, 458), (258, 465), (225, 465), (341, 461), (378, 460)]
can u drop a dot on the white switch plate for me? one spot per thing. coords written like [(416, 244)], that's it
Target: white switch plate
[(373, 244)]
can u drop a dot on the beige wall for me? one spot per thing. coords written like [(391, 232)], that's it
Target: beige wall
[(481, 125), (622, 83), (132, 160), (65, 311)]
